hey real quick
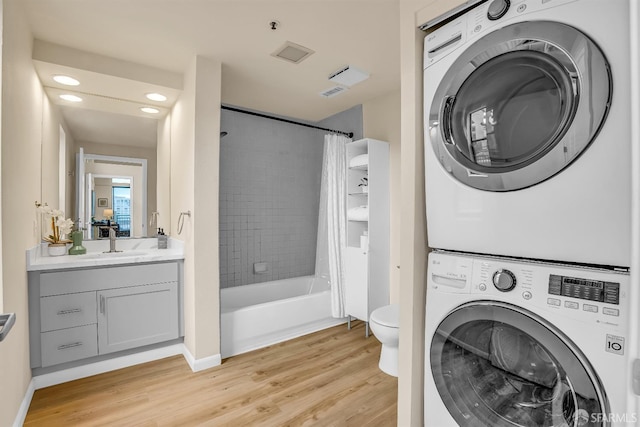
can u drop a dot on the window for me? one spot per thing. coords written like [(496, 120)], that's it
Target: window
[(122, 209)]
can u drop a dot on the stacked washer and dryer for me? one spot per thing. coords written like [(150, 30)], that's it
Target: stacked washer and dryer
[(528, 177)]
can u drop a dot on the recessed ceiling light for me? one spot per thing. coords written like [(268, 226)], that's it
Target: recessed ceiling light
[(156, 97), (65, 80), (71, 98), (150, 110)]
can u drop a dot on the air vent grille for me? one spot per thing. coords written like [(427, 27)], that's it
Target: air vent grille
[(336, 90), (292, 52)]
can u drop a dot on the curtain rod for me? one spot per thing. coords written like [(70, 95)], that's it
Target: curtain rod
[(251, 113)]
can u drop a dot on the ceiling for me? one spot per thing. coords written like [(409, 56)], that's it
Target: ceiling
[(165, 36)]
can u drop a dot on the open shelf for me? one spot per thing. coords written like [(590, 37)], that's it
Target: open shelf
[(367, 251)]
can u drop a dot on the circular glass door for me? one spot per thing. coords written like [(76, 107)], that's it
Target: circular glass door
[(519, 105), (498, 365)]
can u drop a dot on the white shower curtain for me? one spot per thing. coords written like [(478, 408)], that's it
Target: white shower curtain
[(332, 220)]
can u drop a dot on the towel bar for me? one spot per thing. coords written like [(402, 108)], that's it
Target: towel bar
[(6, 323)]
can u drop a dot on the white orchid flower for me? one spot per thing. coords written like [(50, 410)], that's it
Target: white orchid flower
[(64, 226)]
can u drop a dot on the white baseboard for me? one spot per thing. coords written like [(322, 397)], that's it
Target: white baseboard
[(24, 406), (59, 377), (201, 364)]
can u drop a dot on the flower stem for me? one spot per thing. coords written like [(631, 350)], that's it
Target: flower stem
[(55, 229)]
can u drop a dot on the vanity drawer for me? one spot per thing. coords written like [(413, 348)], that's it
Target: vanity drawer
[(69, 344), (66, 311), (95, 279)]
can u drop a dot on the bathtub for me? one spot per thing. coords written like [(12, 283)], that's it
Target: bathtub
[(258, 315)]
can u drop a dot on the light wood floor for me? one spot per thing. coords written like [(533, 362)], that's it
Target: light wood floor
[(329, 378)]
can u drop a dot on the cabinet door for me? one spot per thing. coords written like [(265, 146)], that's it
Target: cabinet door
[(356, 283), (137, 316)]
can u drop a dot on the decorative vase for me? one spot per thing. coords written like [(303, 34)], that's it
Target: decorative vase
[(77, 248), (57, 249)]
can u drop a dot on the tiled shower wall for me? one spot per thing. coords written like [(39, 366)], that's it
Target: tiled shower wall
[(270, 175)]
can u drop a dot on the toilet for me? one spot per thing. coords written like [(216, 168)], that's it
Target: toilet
[(384, 323)]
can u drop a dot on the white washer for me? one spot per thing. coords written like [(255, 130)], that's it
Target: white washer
[(527, 131), (513, 343)]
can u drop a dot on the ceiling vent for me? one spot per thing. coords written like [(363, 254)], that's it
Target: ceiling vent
[(336, 90), (348, 76), (292, 52)]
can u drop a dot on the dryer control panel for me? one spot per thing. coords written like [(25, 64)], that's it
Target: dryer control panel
[(479, 21)]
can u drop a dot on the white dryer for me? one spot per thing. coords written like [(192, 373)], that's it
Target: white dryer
[(513, 343), (527, 129)]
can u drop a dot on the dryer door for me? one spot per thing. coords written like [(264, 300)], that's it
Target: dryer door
[(519, 105), (495, 364)]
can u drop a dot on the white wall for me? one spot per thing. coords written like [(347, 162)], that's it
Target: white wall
[(102, 188), (206, 206), (381, 120), (29, 172), (195, 145), (413, 252), (22, 111)]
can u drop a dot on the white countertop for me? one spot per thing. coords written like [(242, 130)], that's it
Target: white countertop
[(132, 251)]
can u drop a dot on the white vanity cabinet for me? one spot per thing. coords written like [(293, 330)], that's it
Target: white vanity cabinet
[(367, 251), (81, 313)]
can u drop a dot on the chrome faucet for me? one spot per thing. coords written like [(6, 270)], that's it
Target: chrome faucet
[(112, 240)]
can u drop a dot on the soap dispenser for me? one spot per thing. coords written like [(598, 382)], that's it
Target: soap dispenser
[(76, 237), (163, 239)]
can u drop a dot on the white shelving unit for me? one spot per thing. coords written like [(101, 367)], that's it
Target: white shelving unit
[(367, 266)]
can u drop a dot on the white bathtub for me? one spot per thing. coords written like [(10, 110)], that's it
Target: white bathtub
[(258, 315)]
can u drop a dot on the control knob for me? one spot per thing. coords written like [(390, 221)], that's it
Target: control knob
[(504, 280), (497, 9)]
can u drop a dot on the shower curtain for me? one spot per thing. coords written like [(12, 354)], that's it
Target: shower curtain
[(332, 219)]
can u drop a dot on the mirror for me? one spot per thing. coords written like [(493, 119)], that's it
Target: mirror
[(123, 115), (112, 194), (94, 133)]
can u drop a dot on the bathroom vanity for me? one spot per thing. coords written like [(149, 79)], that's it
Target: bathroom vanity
[(87, 308)]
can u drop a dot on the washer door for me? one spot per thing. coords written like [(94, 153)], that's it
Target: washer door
[(495, 364), (519, 105)]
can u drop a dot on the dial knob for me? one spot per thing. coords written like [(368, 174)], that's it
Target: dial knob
[(504, 280), (497, 9)]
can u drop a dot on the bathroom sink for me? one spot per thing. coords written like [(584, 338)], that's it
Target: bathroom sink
[(119, 254)]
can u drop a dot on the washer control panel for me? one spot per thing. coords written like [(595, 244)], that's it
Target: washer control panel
[(586, 294), (592, 290)]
